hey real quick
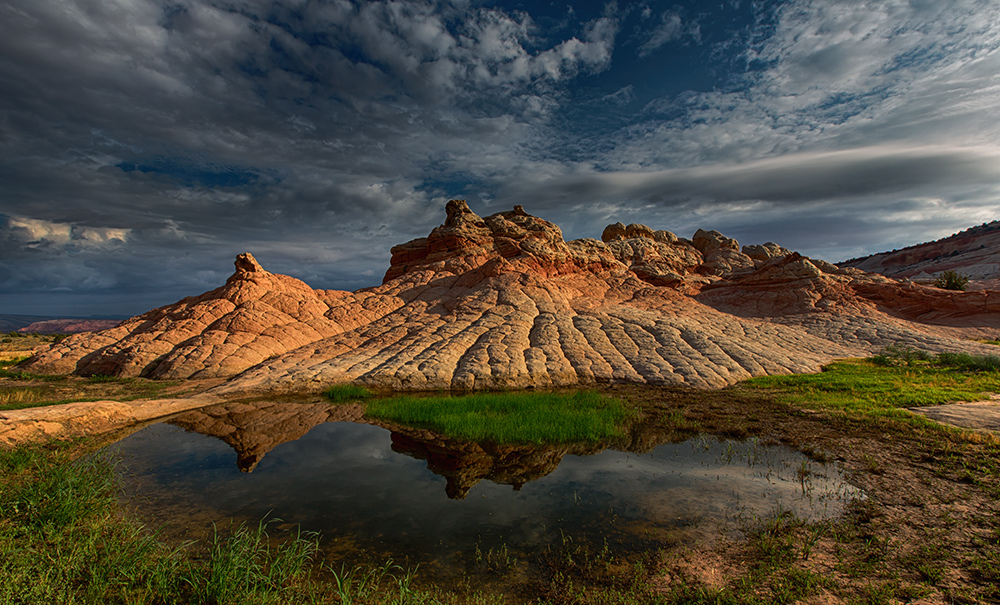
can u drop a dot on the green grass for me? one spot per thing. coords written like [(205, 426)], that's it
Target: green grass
[(64, 540), (19, 390), (245, 567), (879, 387), (106, 378), (60, 539), (347, 392), (516, 417)]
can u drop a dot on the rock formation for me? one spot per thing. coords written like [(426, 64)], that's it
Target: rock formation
[(974, 252), (505, 302)]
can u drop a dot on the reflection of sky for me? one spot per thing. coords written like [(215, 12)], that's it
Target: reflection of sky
[(343, 480)]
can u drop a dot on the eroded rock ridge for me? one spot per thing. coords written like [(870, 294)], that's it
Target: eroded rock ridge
[(505, 302)]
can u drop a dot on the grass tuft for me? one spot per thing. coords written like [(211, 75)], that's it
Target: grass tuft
[(15, 399), (969, 363), (63, 540), (878, 388), (98, 378), (245, 568), (340, 393), (516, 417)]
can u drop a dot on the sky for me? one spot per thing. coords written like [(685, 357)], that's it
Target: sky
[(145, 143)]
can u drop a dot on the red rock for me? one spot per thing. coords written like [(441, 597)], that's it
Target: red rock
[(505, 302), (974, 252)]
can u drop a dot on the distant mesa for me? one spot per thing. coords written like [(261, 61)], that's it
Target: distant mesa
[(69, 326), (505, 302), (36, 324)]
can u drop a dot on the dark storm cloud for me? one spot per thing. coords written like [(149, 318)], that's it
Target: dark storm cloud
[(144, 144), (303, 131), (807, 178)]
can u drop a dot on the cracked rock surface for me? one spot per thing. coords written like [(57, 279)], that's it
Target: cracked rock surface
[(505, 302)]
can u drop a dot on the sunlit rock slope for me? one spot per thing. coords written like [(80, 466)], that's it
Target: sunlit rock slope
[(505, 302), (974, 252)]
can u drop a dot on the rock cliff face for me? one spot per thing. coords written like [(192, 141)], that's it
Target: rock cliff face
[(974, 252), (505, 302)]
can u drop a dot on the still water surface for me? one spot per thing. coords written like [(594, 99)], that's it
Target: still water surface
[(372, 496)]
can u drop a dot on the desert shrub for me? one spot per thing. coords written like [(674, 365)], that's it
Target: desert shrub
[(103, 378), (895, 355), (970, 363), (950, 280)]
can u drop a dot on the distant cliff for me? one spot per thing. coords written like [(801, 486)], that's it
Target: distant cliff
[(38, 324), (974, 252)]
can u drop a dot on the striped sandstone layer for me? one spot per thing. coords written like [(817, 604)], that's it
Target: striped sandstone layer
[(505, 302)]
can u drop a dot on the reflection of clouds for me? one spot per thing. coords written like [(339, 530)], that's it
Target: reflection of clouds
[(344, 480)]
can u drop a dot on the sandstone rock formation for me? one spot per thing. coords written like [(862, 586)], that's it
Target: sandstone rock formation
[(254, 316), (974, 252), (505, 302)]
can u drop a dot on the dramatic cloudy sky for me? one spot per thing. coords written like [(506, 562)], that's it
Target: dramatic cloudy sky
[(145, 143)]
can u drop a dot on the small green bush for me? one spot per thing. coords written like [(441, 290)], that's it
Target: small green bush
[(895, 355), (904, 356), (970, 363), (950, 280), (105, 378)]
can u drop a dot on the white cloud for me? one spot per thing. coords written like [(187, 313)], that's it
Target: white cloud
[(790, 178), (37, 232), (202, 126), (830, 204), (671, 28)]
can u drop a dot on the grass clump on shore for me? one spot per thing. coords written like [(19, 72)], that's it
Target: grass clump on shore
[(64, 540), (515, 417), (883, 384), (61, 540), (340, 393)]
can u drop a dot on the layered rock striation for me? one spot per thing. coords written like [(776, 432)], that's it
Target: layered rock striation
[(974, 252), (505, 302)]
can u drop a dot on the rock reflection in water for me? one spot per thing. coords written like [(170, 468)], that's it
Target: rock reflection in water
[(254, 429), (445, 500)]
